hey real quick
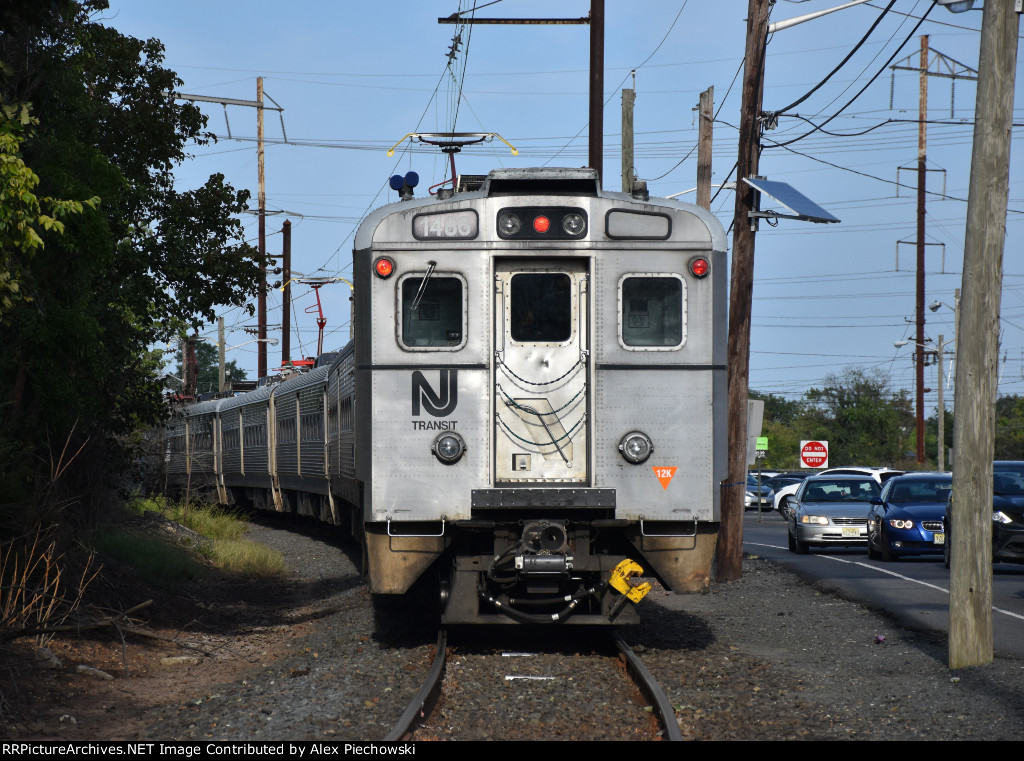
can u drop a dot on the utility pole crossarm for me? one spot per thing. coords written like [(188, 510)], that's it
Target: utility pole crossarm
[(456, 19), (953, 68), (228, 101)]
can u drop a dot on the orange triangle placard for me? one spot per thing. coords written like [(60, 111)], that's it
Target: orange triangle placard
[(664, 475)]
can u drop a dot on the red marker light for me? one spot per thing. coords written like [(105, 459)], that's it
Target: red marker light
[(541, 224), (699, 266), (384, 267)]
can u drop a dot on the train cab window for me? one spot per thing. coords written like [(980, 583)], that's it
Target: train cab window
[(540, 305), (438, 319), (651, 314)]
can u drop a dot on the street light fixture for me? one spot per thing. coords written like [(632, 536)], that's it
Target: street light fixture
[(956, 6)]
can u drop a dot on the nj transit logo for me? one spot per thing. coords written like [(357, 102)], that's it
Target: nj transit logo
[(437, 403)]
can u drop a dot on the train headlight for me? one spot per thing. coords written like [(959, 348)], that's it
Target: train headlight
[(699, 266), (636, 447), (384, 266), (574, 224), (448, 447), (509, 223)]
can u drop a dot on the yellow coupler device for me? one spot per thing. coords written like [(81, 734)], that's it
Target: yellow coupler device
[(620, 582)]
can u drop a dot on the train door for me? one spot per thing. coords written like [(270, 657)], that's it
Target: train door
[(541, 390)]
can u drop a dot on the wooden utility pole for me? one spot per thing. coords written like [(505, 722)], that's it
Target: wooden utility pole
[(597, 88), (730, 538), (705, 127), (262, 302), (922, 171), (948, 68), (970, 584), (286, 298), (221, 380), (628, 99), (190, 367)]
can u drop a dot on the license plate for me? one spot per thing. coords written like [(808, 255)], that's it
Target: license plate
[(851, 532), (939, 537)]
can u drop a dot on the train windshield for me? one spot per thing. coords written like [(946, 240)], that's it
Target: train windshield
[(652, 311), (541, 307), (437, 319)]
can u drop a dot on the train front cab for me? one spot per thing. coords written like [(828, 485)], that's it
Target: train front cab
[(545, 409)]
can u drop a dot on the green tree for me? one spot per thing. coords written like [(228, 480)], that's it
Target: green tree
[(147, 263), (22, 212), (864, 422), (1010, 428)]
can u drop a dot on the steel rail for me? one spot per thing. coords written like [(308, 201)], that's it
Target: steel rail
[(424, 700), (651, 690)]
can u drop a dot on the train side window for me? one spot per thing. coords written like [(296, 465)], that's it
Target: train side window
[(540, 307), (652, 315), (438, 322)]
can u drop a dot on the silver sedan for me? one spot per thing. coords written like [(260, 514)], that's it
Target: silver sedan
[(831, 511)]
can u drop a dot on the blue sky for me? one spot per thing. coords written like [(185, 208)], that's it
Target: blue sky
[(353, 78)]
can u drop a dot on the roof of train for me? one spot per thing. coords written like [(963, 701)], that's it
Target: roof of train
[(531, 181)]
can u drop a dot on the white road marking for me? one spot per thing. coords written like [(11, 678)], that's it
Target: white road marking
[(890, 573)]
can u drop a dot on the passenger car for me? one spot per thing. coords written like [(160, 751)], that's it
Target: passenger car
[(831, 511), (784, 495), (907, 518), (750, 499), (1007, 513)]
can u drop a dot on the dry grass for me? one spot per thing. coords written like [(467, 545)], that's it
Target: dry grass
[(248, 558), (34, 593)]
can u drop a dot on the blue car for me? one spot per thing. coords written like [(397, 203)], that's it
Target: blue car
[(907, 518)]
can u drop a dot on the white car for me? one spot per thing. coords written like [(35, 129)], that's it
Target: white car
[(881, 475)]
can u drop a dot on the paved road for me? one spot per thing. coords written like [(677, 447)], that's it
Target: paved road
[(915, 590)]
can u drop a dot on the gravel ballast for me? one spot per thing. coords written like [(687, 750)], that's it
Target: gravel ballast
[(315, 657)]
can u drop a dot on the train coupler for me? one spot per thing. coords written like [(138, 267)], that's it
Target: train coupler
[(620, 582)]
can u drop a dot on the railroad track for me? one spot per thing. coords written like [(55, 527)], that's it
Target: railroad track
[(569, 690)]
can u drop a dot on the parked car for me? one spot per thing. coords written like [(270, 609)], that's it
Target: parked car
[(751, 499), (786, 479), (784, 496), (831, 511), (906, 519), (1007, 513)]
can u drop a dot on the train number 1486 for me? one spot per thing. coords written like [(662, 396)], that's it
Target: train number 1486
[(452, 224)]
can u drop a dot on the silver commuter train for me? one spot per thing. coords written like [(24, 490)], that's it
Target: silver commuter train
[(531, 411)]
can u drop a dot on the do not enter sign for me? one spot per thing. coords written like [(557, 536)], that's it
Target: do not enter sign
[(813, 454)]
